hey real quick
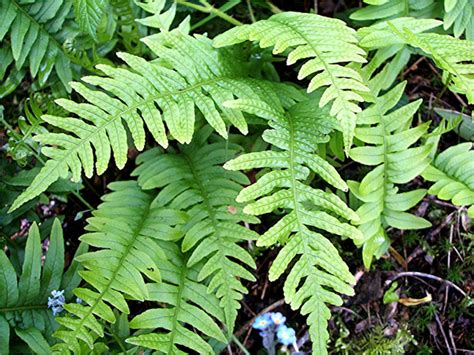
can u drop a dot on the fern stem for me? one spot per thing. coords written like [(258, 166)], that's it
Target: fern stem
[(252, 15), (208, 8), (240, 345)]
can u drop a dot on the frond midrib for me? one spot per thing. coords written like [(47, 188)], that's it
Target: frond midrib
[(181, 287), (23, 308)]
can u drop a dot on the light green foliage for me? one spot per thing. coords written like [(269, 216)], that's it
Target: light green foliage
[(318, 274), (190, 75), (194, 181), (185, 303), (23, 298), (386, 129), (88, 14), (457, 15), (306, 36), (452, 172), (127, 236), (35, 31)]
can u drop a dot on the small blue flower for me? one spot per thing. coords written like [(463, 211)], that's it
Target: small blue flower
[(277, 318), (286, 335), (262, 322), (56, 302)]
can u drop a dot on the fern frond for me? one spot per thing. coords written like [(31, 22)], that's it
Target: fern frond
[(88, 14), (459, 14), (452, 55), (24, 300), (388, 136), (309, 36), (393, 9), (391, 52), (193, 180), (453, 175), (189, 75), (319, 274), (185, 303), (126, 235), (35, 33)]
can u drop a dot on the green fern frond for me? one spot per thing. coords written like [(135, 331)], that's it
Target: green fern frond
[(309, 36), (193, 180), (189, 75), (392, 9), (35, 38), (391, 52), (126, 236), (452, 55), (459, 14), (388, 136), (453, 175), (319, 274), (24, 300), (185, 303), (88, 14)]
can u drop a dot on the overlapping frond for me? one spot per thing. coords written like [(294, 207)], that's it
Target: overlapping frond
[(194, 181), (328, 43), (392, 9), (453, 175), (186, 308), (189, 75), (390, 53), (387, 133), (452, 55), (318, 274), (125, 229), (23, 300), (459, 14), (35, 41)]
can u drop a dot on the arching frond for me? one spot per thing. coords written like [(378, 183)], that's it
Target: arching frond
[(126, 235), (318, 274), (394, 9), (453, 175), (189, 76), (184, 303), (328, 43), (24, 299), (34, 30), (388, 136), (194, 181)]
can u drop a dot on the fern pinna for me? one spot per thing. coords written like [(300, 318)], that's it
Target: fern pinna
[(318, 274), (194, 181), (190, 74), (388, 136), (306, 37)]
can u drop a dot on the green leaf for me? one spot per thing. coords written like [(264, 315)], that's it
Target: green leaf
[(34, 339), (29, 283), (88, 14)]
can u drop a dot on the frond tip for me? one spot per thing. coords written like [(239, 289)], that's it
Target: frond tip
[(309, 36)]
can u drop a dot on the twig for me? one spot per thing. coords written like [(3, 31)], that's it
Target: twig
[(208, 8), (438, 321), (249, 7), (240, 345), (429, 276)]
